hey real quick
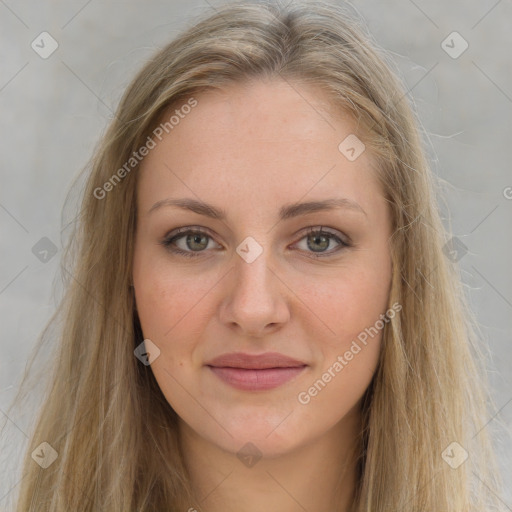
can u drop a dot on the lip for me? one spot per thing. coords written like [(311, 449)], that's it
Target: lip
[(255, 372), (255, 361)]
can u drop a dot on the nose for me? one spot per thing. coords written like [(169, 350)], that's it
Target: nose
[(256, 302)]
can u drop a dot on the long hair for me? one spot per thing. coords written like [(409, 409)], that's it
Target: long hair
[(103, 413)]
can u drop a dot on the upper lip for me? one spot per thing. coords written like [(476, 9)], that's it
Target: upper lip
[(255, 362)]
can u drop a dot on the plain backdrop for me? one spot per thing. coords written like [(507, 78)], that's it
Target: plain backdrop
[(54, 109)]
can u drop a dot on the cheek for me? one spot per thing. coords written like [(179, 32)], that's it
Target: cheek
[(349, 357), (348, 301), (172, 305), (350, 306), (164, 307), (169, 313)]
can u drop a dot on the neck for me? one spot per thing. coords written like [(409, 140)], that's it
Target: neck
[(319, 475)]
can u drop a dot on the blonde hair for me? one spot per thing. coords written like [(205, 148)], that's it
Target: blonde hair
[(114, 431)]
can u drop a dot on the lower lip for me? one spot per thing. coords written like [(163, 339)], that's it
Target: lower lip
[(256, 380)]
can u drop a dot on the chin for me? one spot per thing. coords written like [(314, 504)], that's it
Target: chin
[(269, 434), (254, 441)]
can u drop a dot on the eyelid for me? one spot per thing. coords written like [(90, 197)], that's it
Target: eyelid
[(331, 231), (187, 229)]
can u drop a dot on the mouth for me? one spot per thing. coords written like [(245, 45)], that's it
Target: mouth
[(256, 372)]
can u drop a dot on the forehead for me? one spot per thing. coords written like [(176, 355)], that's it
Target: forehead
[(275, 111), (272, 140)]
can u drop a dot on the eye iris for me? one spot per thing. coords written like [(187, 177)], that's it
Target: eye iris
[(318, 239), (196, 239)]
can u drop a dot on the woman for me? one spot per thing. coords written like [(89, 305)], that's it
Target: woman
[(260, 315)]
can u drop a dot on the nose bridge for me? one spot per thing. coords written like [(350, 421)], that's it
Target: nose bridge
[(253, 270), (254, 300)]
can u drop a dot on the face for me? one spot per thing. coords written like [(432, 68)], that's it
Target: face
[(284, 291)]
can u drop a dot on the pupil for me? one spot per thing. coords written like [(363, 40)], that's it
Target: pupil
[(196, 239), (317, 239)]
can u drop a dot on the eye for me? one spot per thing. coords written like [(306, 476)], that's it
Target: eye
[(318, 240), (192, 241), (188, 241)]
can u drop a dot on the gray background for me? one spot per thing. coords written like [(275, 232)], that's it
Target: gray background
[(53, 111)]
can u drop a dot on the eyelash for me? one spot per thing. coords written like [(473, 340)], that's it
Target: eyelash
[(168, 241)]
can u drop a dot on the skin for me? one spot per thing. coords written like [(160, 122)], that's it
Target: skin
[(251, 149)]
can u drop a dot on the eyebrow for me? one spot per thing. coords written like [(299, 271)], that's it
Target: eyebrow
[(286, 212)]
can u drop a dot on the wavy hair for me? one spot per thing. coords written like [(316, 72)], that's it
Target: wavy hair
[(116, 435)]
